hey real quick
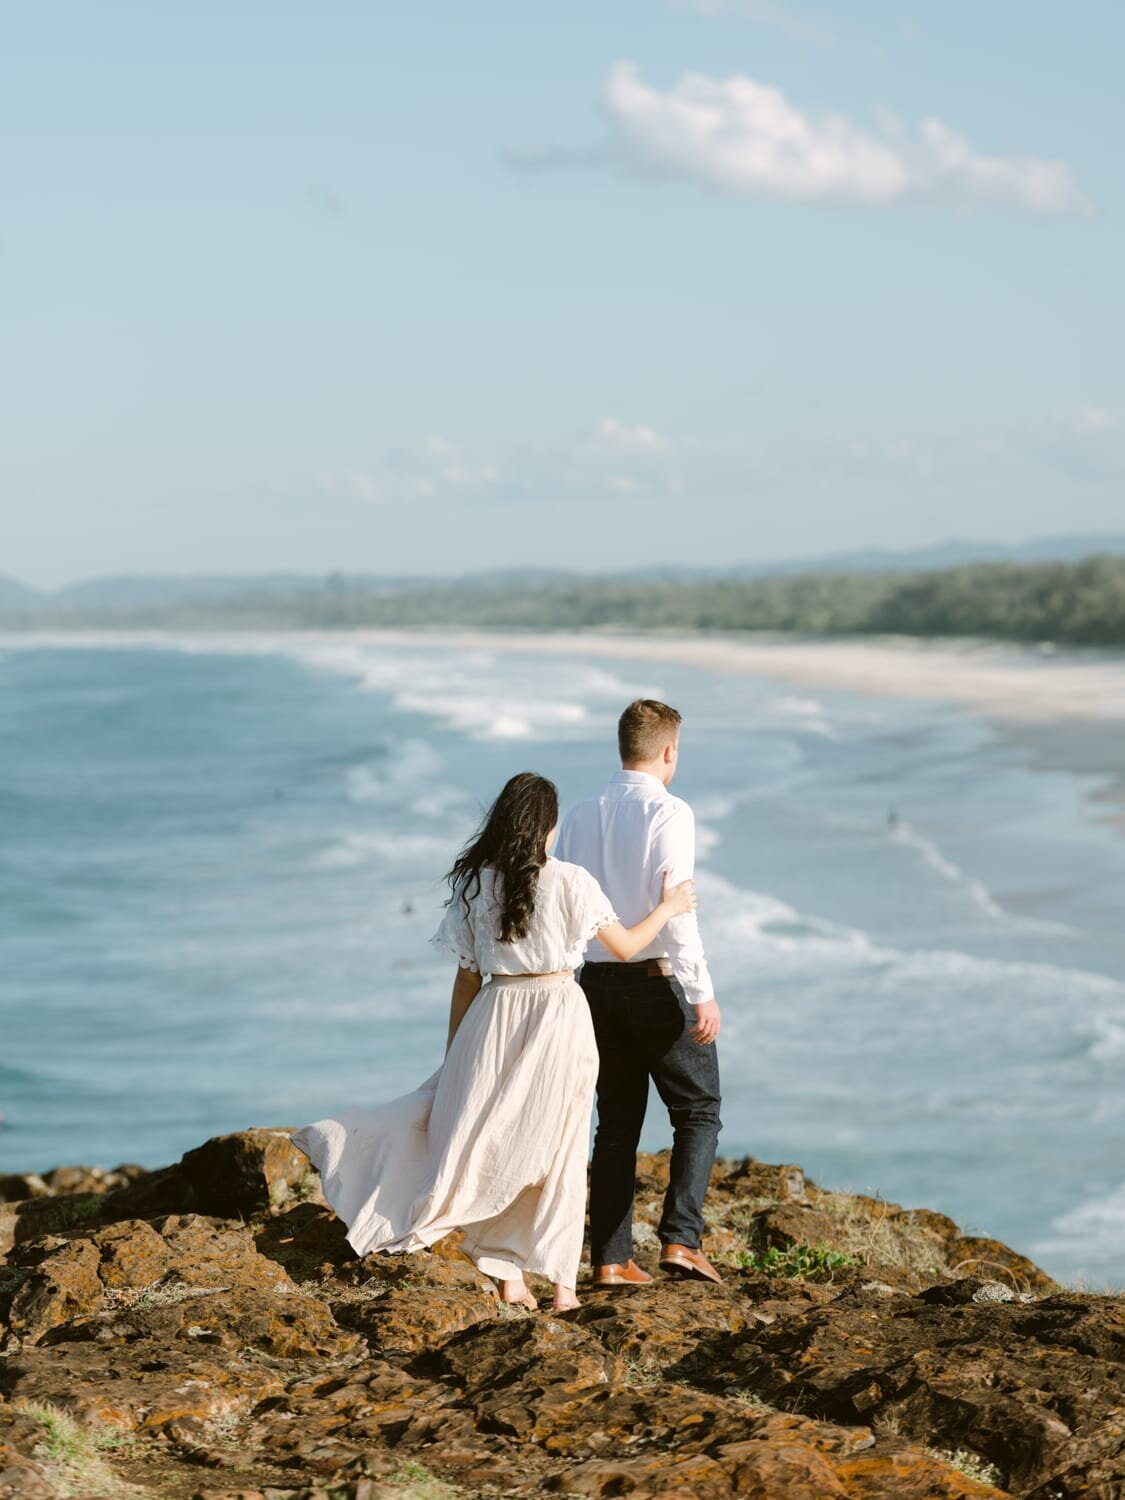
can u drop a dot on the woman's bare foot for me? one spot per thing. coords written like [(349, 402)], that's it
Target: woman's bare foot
[(565, 1299), (517, 1294)]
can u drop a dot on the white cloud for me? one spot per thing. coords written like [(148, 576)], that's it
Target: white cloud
[(620, 435), (425, 470), (741, 137), (615, 462), (351, 484), (1094, 419), (613, 458)]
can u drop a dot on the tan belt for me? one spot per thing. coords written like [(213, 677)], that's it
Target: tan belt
[(554, 974)]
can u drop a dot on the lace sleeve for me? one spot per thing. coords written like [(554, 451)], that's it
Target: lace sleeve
[(455, 935), (591, 908)]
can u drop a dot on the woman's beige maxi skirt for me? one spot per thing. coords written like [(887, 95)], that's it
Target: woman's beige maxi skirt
[(495, 1143)]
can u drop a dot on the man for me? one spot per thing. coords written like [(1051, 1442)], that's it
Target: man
[(655, 1017)]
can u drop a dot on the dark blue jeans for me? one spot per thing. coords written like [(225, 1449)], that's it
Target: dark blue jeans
[(642, 1022)]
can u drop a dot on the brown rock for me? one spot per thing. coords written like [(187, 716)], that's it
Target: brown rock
[(791, 1224), (92, 1179), (406, 1320), (156, 1383), (751, 1178), (203, 1252), (61, 1280), (16, 1187), (366, 1408), (265, 1320), (308, 1240), (652, 1172), (522, 1375), (654, 1327), (408, 1303), (20, 1222), (164, 1191), (1035, 1388), (695, 1478), (244, 1173), (976, 1256), (674, 1419), (269, 1347), (910, 1474), (62, 1287), (67, 1198), (229, 1495), (131, 1254)]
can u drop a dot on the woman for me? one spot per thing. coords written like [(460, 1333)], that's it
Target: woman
[(495, 1142)]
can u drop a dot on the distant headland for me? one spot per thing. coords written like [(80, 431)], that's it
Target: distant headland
[(1069, 591)]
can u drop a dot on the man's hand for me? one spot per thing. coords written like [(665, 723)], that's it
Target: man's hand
[(708, 1019)]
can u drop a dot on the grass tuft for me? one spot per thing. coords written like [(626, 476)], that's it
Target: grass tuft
[(73, 1454), (417, 1483)]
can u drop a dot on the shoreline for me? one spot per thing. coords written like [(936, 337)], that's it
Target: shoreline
[(1066, 708), (1025, 684)]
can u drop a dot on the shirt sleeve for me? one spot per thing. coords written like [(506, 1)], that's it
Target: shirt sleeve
[(455, 933), (562, 840), (590, 907), (673, 849)]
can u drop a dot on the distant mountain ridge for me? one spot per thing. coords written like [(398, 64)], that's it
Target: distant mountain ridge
[(155, 590)]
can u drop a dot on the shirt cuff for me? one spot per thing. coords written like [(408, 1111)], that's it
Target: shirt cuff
[(695, 980)]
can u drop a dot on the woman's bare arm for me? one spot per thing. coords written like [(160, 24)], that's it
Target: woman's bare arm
[(623, 942), (465, 989)]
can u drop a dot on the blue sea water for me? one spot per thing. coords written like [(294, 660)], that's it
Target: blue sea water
[(221, 859)]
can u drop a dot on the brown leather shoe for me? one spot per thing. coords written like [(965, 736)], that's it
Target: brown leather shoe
[(628, 1274), (681, 1260)]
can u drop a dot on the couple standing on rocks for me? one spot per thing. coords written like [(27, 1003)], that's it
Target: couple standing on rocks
[(495, 1142)]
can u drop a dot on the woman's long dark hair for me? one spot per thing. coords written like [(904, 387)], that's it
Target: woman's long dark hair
[(511, 840)]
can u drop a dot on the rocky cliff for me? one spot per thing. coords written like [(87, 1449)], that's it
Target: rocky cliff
[(206, 1331)]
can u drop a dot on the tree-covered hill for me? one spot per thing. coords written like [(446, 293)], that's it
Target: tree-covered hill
[(1071, 603)]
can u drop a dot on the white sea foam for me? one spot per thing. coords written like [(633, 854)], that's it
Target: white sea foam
[(439, 802), (457, 688), (486, 717), (809, 713), (706, 839), (391, 848), (1091, 1234), (975, 890), (755, 926), (411, 766), (1107, 1038), (762, 932), (714, 808)]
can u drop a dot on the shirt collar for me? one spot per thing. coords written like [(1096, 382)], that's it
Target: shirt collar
[(639, 778)]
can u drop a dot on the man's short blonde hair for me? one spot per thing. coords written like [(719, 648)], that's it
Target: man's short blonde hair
[(645, 728)]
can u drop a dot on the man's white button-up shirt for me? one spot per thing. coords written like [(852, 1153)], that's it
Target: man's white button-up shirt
[(627, 836)]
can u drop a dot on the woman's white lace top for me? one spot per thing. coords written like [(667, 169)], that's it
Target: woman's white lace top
[(570, 906)]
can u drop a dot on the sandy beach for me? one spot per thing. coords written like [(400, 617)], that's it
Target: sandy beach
[(1067, 708), (1003, 681)]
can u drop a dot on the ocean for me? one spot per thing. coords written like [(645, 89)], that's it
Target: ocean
[(221, 862)]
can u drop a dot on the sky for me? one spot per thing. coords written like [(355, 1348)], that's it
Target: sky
[(446, 287)]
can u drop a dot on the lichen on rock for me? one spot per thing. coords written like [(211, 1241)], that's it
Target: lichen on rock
[(210, 1330)]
